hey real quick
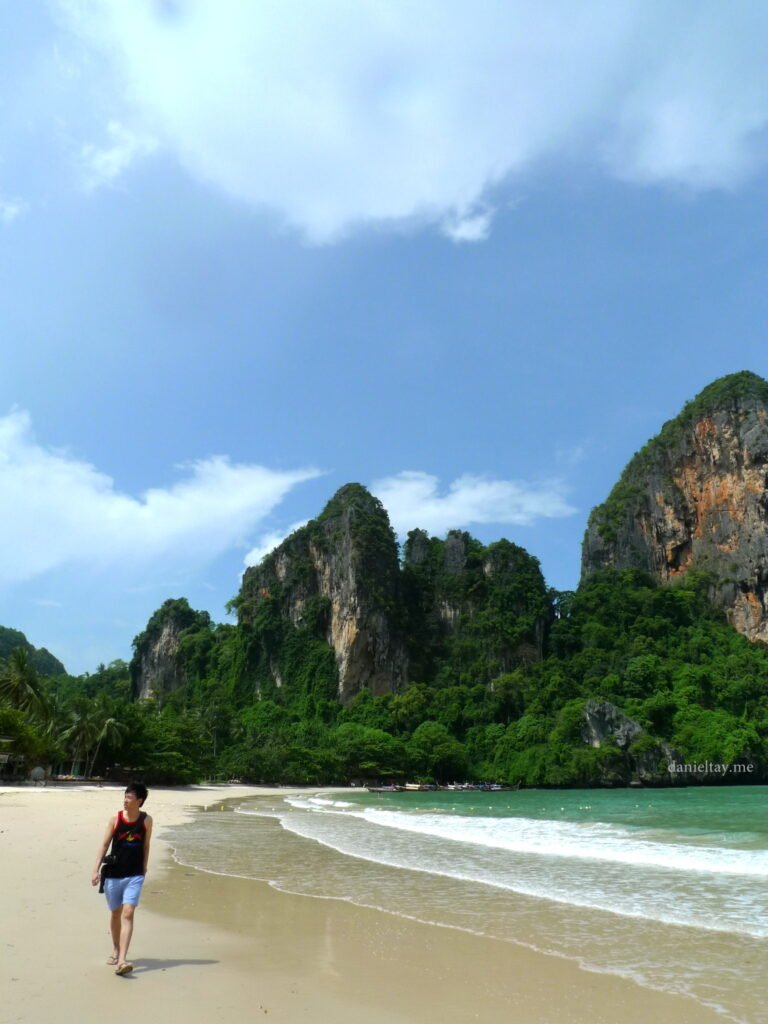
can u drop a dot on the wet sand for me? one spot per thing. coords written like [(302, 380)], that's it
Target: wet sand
[(208, 947)]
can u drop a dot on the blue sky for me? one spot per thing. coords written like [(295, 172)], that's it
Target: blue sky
[(470, 256)]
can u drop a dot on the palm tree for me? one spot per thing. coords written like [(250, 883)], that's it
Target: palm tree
[(54, 726), (81, 734), (21, 687), (108, 728)]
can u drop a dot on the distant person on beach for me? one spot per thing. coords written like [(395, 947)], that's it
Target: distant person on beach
[(129, 831)]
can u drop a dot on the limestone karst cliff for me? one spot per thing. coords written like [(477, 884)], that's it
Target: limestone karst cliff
[(696, 498), (473, 612), (159, 664), (336, 580), (353, 660), (331, 611)]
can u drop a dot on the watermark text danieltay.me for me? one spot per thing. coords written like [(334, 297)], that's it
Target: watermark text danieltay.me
[(708, 768)]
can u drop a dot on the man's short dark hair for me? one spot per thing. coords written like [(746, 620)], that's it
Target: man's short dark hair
[(139, 790)]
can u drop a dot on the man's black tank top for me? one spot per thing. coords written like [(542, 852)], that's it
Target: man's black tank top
[(128, 846)]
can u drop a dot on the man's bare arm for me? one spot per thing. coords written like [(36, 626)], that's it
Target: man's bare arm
[(108, 833), (147, 837)]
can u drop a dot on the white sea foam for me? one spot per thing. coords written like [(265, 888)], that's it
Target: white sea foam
[(593, 865), (592, 841), (581, 840), (314, 801)]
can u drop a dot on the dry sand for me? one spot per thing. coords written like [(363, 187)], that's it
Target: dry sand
[(208, 948)]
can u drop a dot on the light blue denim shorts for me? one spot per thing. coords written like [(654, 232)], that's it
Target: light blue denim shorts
[(120, 891)]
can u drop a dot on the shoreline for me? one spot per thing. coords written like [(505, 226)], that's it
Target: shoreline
[(209, 944)]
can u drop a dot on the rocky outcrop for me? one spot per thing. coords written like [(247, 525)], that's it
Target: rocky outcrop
[(638, 757), (331, 612), (603, 719), (473, 612), (158, 666), (696, 498), (455, 553), (338, 578)]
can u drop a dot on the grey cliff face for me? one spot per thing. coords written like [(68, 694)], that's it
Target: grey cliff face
[(454, 563), (696, 499), (635, 761), (603, 719), (455, 553), (158, 664), (417, 551), (160, 668), (347, 559)]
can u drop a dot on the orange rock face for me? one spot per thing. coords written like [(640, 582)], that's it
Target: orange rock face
[(696, 499)]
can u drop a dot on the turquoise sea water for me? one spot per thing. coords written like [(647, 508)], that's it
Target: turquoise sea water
[(669, 887)]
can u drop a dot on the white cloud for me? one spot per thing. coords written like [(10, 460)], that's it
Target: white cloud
[(56, 511), (413, 499), (469, 227), (268, 542), (341, 113), (571, 456), (102, 166), (10, 209)]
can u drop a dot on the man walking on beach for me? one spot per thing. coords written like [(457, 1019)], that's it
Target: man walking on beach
[(130, 831)]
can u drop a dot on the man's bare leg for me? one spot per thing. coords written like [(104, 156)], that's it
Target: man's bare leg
[(114, 927), (126, 932)]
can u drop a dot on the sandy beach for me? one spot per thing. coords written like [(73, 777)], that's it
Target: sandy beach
[(210, 947)]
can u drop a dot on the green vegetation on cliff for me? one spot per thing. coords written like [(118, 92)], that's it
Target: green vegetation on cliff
[(487, 674), (42, 660), (471, 612), (660, 655), (372, 538)]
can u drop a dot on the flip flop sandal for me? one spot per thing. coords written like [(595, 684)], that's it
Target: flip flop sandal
[(112, 961), (125, 968)]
